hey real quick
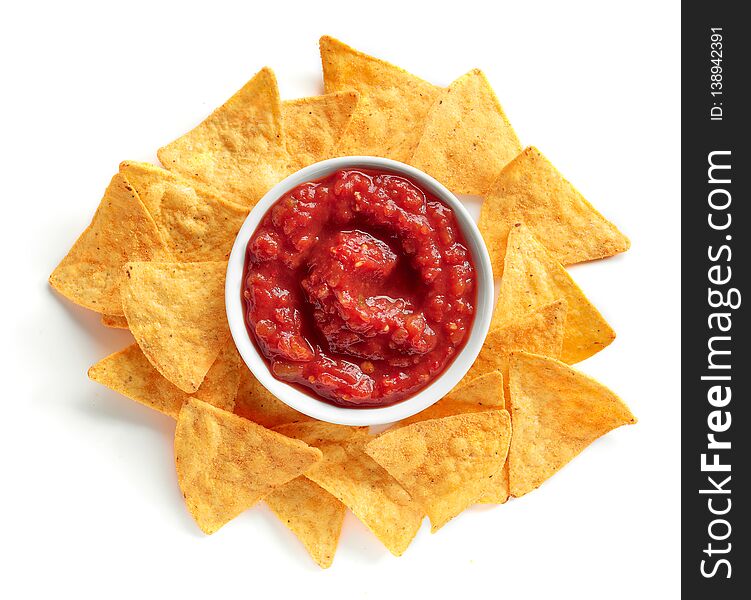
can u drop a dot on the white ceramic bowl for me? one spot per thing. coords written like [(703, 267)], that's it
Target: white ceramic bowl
[(320, 409)]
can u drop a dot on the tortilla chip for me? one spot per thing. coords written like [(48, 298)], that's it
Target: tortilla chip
[(196, 226), (467, 138), (130, 373), (219, 387), (445, 464), (239, 150), (122, 230), (176, 313), (557, 412), (531, 278), (225, 464), (470, 395), (393, 104), (312, 514), (196, 229), (355, 479), (150, 182), (114, 321), (530, 190), (314, 125), (540, 331), (256, 403)]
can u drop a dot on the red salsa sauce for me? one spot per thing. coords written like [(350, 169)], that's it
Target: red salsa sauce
[(359, 288)]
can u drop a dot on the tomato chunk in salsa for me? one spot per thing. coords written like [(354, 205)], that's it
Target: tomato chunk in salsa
[(359, 288)]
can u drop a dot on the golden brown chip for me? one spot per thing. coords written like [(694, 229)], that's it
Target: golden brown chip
[(114, 321), (176, 313), (314, 125), (239, 150), (150, 182), (530, 190), (122, 230), (319, 433), (130, 373), (225, 464), (445, 464), (540, 330), (531, 278), (196, 225), (467, 138), (346, 472), (393, 104), (256, 403), (557, 412), (220, 385), (312, 514), (470, 395)]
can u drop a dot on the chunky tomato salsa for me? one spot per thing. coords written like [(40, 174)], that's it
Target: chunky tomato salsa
[(359, 287)]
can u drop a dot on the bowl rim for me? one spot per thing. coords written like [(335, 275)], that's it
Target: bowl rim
[(320, 409)]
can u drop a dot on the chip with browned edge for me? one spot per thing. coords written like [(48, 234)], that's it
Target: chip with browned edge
[(312, 514), (346, 472), (393, 104), (445, 464), (532, 278), (256, 403), (122, 230), (557, 412), (470, 395), (114, 321), (467, 138), (225, 464), (530, 190), (314, 125), (176, 313), (130, 373), (239, 149)]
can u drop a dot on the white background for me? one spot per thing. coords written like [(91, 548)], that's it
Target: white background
[(90, 505)]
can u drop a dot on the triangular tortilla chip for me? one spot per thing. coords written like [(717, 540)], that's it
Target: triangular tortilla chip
[(256, 403), (130, 373), (445, 464), (557, 412), (195, 225), (530, 190), (225, 464), (196, 229), (531, 278), (467, 138), (541, 330), (219, 387), (355, 479), (314, 125), (393, 104), (176, 313), (312, 514), (122, 230), (115, 321), (470, 395), (150, 182), (239, 150)]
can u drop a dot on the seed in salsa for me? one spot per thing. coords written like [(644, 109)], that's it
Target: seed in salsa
[(359, 288)]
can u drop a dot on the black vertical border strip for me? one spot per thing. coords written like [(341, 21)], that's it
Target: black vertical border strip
[(700, 136)]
